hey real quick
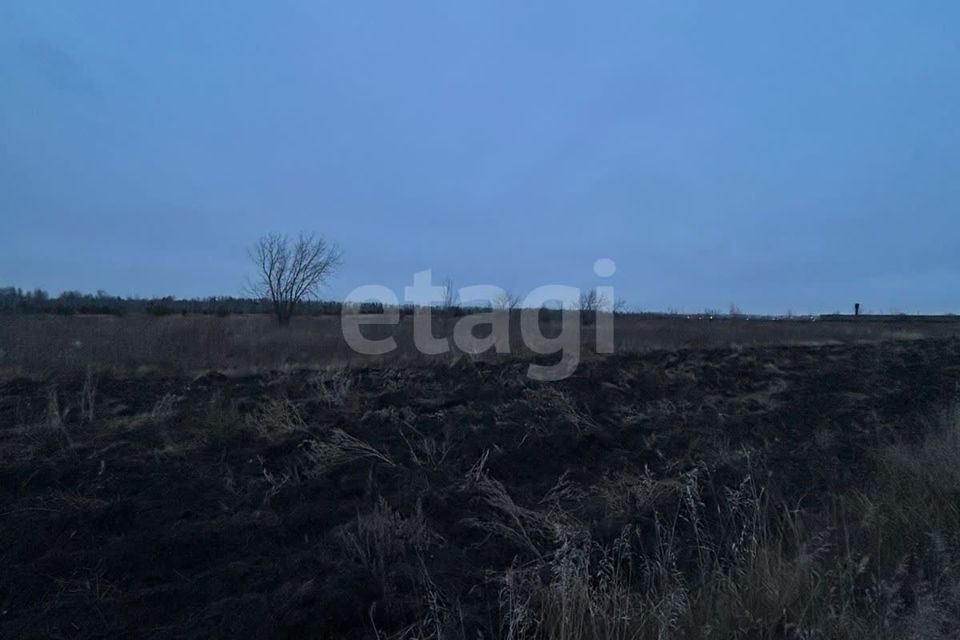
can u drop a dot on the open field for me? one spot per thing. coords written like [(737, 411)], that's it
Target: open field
[(770, 489), (38, 343), (479, 320)]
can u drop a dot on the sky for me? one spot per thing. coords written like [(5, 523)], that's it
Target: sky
[(777, 156)]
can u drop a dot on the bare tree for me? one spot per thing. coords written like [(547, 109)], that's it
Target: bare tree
[(592, 301), (291, 270), (505, 301)]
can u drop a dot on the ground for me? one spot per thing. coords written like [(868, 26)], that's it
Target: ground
[(440, 500)]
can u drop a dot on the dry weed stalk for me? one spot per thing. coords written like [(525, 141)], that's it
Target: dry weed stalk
[(332, 386), (161, 413), (55, 419), (278, 417), (88, 396), (425, 450), (382, 537), (515, 522), (554, 402), (274, 483), (322, 456)]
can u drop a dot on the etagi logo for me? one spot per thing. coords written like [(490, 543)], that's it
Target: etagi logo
[(424, 296)]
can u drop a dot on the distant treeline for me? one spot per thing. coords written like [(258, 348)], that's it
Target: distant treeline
[(14, 300), (17, 301)]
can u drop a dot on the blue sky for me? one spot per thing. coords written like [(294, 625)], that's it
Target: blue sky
[(774, 155)]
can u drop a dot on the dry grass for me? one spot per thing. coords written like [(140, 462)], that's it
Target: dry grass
[(339, 448), (885, 565), (882, 562), (332, 386), (277, 417), (583, 530), (379, 538), (39, 343), (879, 565)]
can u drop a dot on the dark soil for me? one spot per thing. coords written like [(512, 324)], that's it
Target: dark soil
[(171, 514)]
